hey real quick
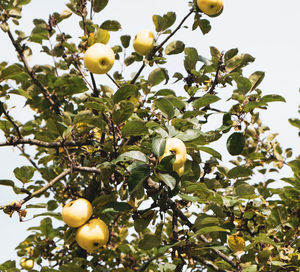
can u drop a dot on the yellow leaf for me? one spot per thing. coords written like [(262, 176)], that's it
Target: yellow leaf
[(236, 243)]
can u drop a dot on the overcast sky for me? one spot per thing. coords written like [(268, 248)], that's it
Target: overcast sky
[(268, 30)]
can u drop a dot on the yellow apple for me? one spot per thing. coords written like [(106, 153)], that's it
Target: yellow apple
[(143, 42), (175, 145), (210, 7), (26, 263), (77, 212), (92, 235), (99, 58)]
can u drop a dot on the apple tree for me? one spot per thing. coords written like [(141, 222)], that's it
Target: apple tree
[(107, 144)]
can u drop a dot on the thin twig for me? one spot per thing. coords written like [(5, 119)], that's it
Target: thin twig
[(13, 123), (156, 49), (28, 158), (111, 78)]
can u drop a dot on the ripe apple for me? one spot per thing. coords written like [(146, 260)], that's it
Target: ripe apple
[(26, 263), (99, 58), (77, 212), (143, 42), (92, 235), (210, 7), (175, 145)]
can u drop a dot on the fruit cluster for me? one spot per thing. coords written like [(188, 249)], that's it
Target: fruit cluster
[(91, 233)]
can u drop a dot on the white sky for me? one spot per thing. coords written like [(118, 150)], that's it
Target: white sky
[(268, 30)]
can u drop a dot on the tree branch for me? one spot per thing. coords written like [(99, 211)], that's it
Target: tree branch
[(31, 73), (156, 49), (186, 221), (47, 186), (14, 142)]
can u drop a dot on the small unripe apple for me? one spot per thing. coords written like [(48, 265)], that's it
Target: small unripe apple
[(99, 58), (175, 145), (92, 235), (210, 7), (77, 212), (26, 263), (143, 42)]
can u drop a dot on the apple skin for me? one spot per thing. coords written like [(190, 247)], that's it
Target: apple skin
[(178, 147), (77, 212), (99, 58), (26, 264), (92, 235), (143, 42), (210, 7)]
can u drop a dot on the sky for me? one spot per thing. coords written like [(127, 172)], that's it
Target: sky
[(268, 30)]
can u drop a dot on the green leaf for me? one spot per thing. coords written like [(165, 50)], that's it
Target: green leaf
[(14, 72), (132, 155), (239, 172), (21, 92), (256, 78), (238, 61), (111, 25), (211, 151), (125, 40), (99, 5), (230, 54), (7, 182), (39, 32), (116, 207), (175, 47), (253, 105), (157, 76), (235, 143), (140, 224), (295, 122), (158, 146), (24, 173), (169, 19), (149, 241), (134, 128), (211, 229), (165, 106), (125, 92), (137, 176), (169, 180), (69, 85), (190, 59), (124, 111), (245, 191), (83, 117), (52, 214), (204, 26), (158, 22), (272, 98), (243, 85), (205, 100)]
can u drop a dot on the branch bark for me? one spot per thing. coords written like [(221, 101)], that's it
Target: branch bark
[(15, 141)]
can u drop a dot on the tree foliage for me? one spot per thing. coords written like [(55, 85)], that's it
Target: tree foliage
[(103, 143)]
